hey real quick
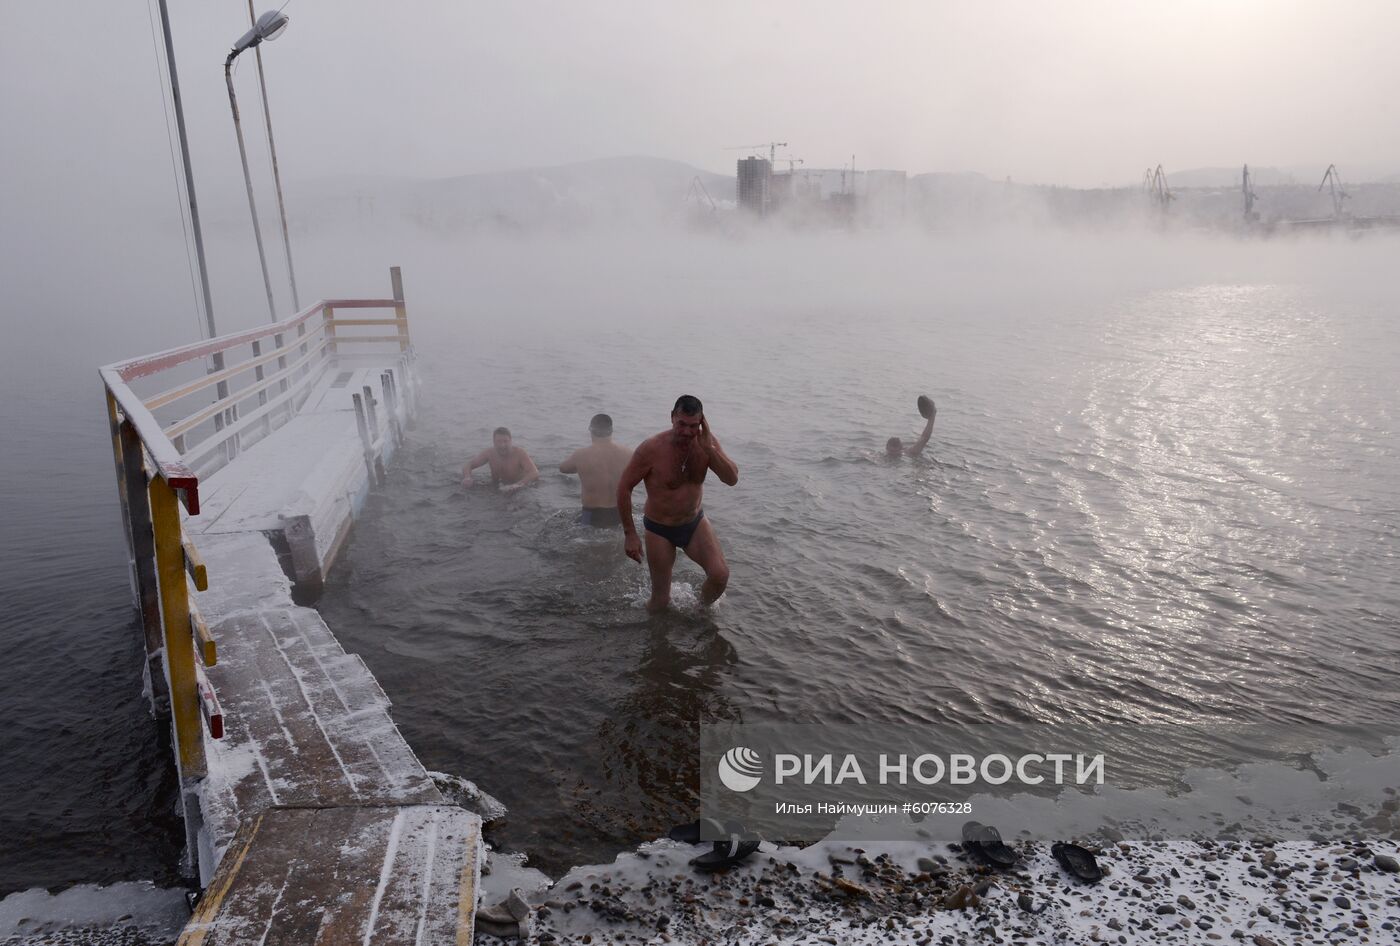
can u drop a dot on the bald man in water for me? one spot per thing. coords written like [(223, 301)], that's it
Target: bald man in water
[(673, 465)]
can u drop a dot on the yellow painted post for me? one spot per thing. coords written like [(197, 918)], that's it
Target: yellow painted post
[(179, 643), (208, 649), (400, 310)]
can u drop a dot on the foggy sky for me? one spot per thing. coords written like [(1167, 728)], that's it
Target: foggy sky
[(1072, 93)]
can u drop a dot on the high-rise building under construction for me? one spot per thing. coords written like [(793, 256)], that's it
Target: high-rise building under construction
[(755, 177)]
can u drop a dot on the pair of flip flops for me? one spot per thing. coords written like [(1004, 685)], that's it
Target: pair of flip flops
[(983, 844), (1078, 862), (731, 844)]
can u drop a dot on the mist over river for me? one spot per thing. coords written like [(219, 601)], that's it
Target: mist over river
[(1162, 488)]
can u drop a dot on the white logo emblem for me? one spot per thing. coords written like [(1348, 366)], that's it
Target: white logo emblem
[(740, 769)]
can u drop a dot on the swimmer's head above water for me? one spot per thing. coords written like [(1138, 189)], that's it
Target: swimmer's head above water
[(600, 427), (894, 448), (500, 439)]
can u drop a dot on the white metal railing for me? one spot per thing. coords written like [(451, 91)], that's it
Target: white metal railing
[(166, 440)]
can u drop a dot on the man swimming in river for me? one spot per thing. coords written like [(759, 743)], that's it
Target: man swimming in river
[(599, 467), (673, 464), (511, 466), (894, 447)]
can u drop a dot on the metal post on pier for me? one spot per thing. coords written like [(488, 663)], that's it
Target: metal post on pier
[(366, 441), (136, 520), (328, 315), (372, 416), (386, 381), (406, 393), (179, 634), (400, 310)]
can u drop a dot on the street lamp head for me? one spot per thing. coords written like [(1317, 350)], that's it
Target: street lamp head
[(269, 26)]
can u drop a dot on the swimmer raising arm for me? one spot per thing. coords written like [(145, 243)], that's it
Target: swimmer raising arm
[(894, 447)]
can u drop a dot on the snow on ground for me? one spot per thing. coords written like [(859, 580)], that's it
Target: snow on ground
[(126, 914), (1230, 885), (1179, 891)]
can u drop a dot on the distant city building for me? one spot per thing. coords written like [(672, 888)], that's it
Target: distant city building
[(822, 196), (755, 178)]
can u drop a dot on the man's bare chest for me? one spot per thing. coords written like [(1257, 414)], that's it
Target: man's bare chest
[(674, 470)]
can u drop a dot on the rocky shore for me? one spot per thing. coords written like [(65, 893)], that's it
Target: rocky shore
[(1258, 891)]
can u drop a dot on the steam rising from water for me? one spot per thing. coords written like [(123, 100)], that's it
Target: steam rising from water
[(1152, 496), (1153, 453)]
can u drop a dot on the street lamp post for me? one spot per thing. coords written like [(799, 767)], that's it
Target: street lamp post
[(268, 26), (276, 173), (189, 181)]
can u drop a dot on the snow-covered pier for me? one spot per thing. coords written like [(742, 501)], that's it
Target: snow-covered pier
[(241, 463)]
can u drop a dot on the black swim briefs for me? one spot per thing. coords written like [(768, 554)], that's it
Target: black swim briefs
[(680, 535), (600, 517)]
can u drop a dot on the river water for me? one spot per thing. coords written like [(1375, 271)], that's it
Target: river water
[(1162, 488), (1158, 492)]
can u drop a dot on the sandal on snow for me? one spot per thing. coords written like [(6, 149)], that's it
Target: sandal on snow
[(1077, 861), (984, 843), (728, 851)]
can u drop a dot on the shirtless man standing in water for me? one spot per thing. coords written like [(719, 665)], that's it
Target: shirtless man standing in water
[(673, 464), (599, 467), (511, 466)]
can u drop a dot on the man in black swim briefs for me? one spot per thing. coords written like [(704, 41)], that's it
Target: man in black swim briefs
[(673, 465), (599, 466)]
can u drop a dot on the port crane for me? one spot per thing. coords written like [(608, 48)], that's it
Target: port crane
[(701, 195), (1247, 187), (1154, 183), (1334, 178)]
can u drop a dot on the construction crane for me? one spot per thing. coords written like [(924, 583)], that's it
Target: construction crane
[(1332, 177), (772, 147), (1247, 187), (701, 195), (1154, 183)]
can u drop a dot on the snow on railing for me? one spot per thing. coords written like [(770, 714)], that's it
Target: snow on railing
[(165, 440)]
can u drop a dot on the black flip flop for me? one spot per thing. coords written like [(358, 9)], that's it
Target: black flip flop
[(1078, 862), (984, 843), (728, 851), (926, 407)]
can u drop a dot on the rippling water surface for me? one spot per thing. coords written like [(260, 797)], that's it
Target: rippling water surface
[(1153, 495), (1163, 487)]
